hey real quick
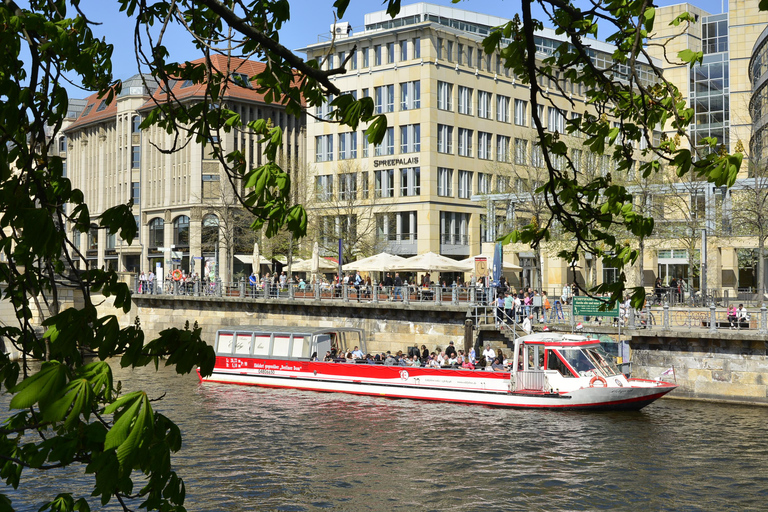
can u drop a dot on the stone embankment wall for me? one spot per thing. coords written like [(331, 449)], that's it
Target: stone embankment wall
[(387, 326), (724, 367)]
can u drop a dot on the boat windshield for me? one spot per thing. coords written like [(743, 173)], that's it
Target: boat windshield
[(603, 362), (578, 360)]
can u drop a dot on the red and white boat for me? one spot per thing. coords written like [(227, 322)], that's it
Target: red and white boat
[(558, 371)]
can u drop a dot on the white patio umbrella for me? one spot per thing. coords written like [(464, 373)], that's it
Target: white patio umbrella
[(468, 264), (324, 265), (256, 259), (376, 263), (427, 262)]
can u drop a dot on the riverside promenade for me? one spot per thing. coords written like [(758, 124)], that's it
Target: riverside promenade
[(710, 360)]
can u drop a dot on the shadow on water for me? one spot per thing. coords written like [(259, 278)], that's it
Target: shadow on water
[(269, 449)]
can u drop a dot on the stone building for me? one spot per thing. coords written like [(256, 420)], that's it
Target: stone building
[(183, 201)]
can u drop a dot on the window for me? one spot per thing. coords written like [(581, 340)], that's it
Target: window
[(323, 111), (410, 95), (484, 104), (347, 145), (135, 123), (156, 232), (353, 60), (93, 239), (520, 116), (483, 183), (102, 106), (444, 139), (439, 48), (384, 98), (364, 185), (444, 96), (342, 56), (328, 62), (465, 184), (502, 184), (502, 108), (465, 100), (377, 55), (502, 148), (576, 157), (366, 61), (410, 138), (537, 158), (444, 182), (387, 146), (135, 157), (62, 145), (323, 148), (540, 111), (390, 53), (181, 231), (576, 122), (556, 120), (324, 187), (449, 51), (484, 145), (396, 227), (76, 238), (460, 54), (403, 51), (135, 191), (365, 144), (521, 152), (211, 186), (242, 80), (410, 181), (348, 186), (470, 55), (384, 185), (416, 47), (454, 228), (465, 142)]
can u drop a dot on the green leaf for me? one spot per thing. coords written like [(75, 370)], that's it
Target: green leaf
[(42, 387)]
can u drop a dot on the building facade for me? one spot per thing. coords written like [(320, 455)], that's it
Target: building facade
[(459, 150), (183, 202)]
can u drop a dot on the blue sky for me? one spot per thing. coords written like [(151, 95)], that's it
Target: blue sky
[(309, 18)]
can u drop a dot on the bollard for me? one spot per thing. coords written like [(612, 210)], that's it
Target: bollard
[(317, 289), (438, 294), (242, 287), (666, 316), (175, 287), (345, 293), (455, 295), (196, 288), (712, 320), (375, 293), (291, 292), (406, 291), (218, 287), (473, 295), (631, 318), (763, 320)]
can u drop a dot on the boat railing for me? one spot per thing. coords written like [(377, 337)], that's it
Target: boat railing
[(531, 380)]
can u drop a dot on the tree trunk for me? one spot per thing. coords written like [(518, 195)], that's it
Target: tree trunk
[(760, 269), (641, 262), (539, 270)]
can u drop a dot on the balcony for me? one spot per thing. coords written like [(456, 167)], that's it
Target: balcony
[(397, 243), (454, 245)]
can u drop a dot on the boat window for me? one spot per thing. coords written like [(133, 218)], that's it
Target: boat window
[(298, 346), (281, 346), (243, 343), (261, 345), (603, 362), (535, 358), (225, 343), (577, 359), (555, 363)]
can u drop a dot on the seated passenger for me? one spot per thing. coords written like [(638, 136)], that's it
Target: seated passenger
[(350, 357), (370, 359), (328, 356), (390, 360), (415, 360), (467, 365), (357, 353), (497, 366), (433, 362), (452, 360)]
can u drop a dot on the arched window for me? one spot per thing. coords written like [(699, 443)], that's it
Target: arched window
[(135, 122), (181, 231), (210, 233), (156, 232)]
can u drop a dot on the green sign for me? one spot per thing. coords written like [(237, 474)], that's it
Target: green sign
[(587, 306)]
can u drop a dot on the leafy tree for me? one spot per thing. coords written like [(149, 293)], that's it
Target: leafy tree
[(68, 411)]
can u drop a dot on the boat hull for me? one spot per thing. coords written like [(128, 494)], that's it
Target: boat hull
[(436, 384)]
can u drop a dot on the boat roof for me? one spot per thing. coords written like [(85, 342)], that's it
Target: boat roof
[(285, 329), (558, 339)]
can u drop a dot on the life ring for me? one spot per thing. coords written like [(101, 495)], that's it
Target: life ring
[(595, 378), (177, 275)]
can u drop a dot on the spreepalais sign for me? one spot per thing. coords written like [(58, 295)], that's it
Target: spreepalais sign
[(392, 162)]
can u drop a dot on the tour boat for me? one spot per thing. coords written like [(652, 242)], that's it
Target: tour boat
[(554, 370)]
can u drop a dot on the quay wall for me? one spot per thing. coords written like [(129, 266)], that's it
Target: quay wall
[(723, 367), (726, 366), (387, 326)]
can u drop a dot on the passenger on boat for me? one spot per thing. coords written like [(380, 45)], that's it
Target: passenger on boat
[(415, 361), (433, 363), (497, 365), (472, 355), (424, 354), (328, 356), (467, 365), (451, 350), (357, 353), (452, 360), (370, 359), (390, 360), (489, 355), (442, 358)]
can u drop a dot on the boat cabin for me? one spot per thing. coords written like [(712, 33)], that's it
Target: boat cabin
[(554, 362), (286, 342)]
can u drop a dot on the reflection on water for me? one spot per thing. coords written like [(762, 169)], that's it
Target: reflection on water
[(259, 449)]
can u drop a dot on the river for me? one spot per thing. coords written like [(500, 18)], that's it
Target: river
[(251, 449)]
